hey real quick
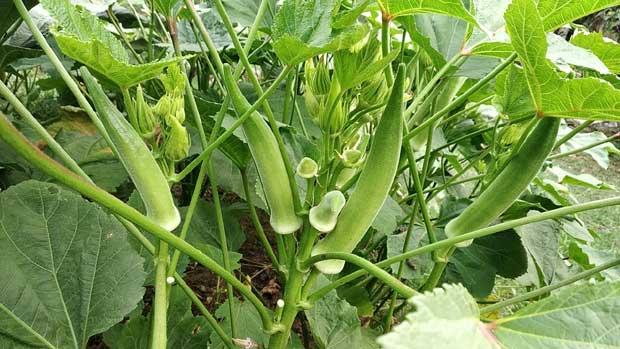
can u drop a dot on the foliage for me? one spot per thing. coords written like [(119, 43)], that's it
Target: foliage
[(371, 127)]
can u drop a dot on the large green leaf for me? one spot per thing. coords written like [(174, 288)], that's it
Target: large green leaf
[(244, 11), (303, 29), (447, 318), (97, 56), (397, 8), (83, 37), (542, 241), (335, 323), (77, 21), (476, 266), (529, 40), (577, 317), (512, 94), (605, 49), (587, 98), (185, 331), (559, 12), (70, 272)]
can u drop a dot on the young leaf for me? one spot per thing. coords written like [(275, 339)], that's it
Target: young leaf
[(582, 316), (83, 37), (606, 49), (69, 271), (446, 318), (587, 98), (303, 29), (397, 8)]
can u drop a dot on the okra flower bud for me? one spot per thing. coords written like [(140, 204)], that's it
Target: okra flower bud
[(324, 216), (144, 115), (176, 146), (307, 168)]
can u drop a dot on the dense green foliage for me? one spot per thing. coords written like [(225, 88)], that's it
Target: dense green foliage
[(305, 174)]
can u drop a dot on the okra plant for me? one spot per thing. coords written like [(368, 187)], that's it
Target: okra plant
[(306, 174)]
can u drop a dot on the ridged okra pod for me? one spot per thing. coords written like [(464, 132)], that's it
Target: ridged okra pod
[(135, 157), (268, 160), (373, 185), (509, 183)]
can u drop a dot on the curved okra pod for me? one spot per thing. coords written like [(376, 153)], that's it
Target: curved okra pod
[(135, 157), (373, 185), (510, 183), (268, 160)]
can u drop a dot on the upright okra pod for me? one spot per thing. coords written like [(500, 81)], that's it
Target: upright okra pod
[(373, 185), (135, 157), (509, 183), (268, 160)]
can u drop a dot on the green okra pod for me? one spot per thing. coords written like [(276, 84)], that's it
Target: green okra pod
[(135, 157), (373, 185), (509, 183), (268, 160)]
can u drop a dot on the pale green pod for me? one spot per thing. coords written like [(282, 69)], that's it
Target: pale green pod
[(268, 160), (324, 216), (373, 185), (136, 158)]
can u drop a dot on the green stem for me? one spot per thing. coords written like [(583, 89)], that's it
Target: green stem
[(386, 40), (159, 338), (257, 224), (216, 143), (32, 154), (367, 266), (572, 133), (462, 98), (210, 319), (419, 192), (431, 85), (71, 84), (401, 268), (544, 290), (221, 229), (293, 288), (559, 212), (586, 147)]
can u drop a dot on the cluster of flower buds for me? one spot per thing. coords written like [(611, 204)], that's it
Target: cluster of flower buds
[(171, 109), (162, 123), (326, 107)]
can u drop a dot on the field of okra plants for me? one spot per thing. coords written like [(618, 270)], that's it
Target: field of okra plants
[(338, 174)]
